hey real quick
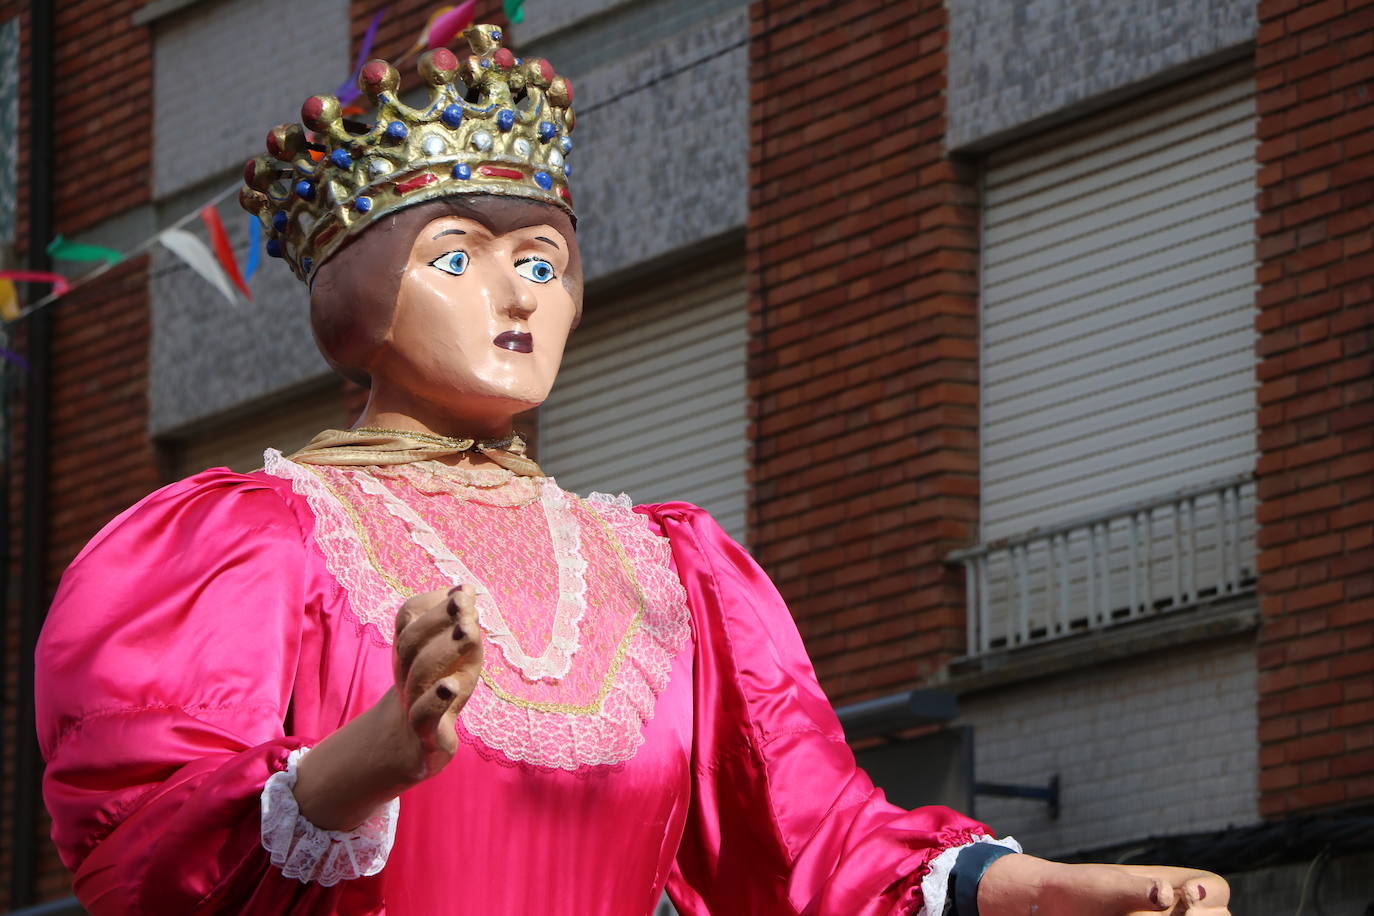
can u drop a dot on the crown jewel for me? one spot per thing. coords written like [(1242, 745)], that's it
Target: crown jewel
[(495, 124)]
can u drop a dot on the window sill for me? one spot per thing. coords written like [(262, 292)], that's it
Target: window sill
[(154, 10), (1220, 620)]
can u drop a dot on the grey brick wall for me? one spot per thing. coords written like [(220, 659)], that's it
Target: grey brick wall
[(1014, 63), (662, 121), (666, 167), (1156, 746), (224, 72)]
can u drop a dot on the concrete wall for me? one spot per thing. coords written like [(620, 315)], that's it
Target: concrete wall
[(662, 121), (224, 74), (1155, 746), (1016, 62)]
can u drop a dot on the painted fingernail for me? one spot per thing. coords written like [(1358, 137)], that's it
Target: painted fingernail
[(458, 632), (1154, 895), (444, 693), (1201, 892)]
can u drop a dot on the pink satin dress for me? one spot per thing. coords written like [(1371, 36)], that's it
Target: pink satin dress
[(668, 732)]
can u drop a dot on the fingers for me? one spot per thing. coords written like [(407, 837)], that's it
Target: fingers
[(1120, 889), (445, 657), (1206, 891), (420, 620), (433, 714), (1194, 890)]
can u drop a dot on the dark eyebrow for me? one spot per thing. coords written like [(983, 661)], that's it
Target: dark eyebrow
[(450, 232), (540, 238)]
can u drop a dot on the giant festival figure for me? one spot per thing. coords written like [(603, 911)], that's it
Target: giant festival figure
[(401, 671)]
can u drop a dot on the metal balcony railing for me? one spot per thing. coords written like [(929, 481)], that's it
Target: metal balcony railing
[(1153, 557)]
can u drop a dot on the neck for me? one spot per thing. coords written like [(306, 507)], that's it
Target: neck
[(414, 416)]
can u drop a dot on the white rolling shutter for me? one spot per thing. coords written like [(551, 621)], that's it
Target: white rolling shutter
[(652, 399), (286, 425), (1118, 302)]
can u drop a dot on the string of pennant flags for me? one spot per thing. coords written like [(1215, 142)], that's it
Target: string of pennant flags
[(216, 262)]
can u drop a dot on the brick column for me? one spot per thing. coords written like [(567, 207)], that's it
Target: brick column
[(102, 458), (862, 257), (1315, 75)]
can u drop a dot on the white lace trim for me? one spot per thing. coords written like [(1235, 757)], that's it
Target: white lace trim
[(372, 599), (615, 733), (305, 852), (556, 739), (935, 885), (556, 660)]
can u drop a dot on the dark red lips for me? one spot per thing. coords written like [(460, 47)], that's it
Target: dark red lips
[(515, 341)]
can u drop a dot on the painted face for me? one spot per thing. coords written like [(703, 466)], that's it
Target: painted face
[(480, 320)]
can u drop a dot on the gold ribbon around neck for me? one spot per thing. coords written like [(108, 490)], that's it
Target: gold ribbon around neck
[(370, 446)]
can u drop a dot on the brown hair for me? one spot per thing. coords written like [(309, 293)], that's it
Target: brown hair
[(353, 295)]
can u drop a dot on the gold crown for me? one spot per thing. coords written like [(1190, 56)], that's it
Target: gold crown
[(500, 127)]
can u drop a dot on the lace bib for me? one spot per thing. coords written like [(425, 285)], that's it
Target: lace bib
[(581, 612)]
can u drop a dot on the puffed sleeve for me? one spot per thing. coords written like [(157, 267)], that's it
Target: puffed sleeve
[(781, 818), (164, 679)]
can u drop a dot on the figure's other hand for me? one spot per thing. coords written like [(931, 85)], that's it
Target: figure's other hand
[(436, 659), (408, 735), (1017, 885)]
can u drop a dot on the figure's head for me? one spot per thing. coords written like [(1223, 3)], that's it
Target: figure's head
[(464, 299), (438, 241)]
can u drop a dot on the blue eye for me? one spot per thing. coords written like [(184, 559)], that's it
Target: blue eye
[(536, 269), (455, 262)]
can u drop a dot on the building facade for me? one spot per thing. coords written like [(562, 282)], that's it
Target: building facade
[(1028, 346)]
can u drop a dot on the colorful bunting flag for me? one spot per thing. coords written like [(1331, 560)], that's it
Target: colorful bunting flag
[(60, 284), (219, 239), (9, 300), (15, 358), (254, 248), (63, 250), (445, 25), (422, 40), (349, 90), (193, 251)]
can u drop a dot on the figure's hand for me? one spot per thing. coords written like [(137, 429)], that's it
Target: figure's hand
[(408, 735), (1018, 885), (436, 660)]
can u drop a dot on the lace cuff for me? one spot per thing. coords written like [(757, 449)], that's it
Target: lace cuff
[(305, 852), (935, 896)]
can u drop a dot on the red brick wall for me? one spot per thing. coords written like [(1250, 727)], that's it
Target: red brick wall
[(104, 127), (103, 461), (862, 256), (8, 712), (1315, 74)]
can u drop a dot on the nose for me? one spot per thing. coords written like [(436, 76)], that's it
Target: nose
[(519, 300)]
